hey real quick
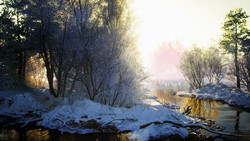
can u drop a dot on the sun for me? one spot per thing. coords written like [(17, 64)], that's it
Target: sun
[(168, 20)]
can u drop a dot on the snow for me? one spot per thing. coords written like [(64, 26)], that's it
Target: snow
[(221, 92), (23, 103), (151, 111), (156, 131), (151, 97), (171, 105), (149, 118), (145, 120), (19, 103), (122, 118)]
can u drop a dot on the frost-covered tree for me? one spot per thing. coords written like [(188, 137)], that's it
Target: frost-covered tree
[(245, 62), (214, 64), (244, 71), (109, 67), (193, 67), (50, 28), (86, 46)]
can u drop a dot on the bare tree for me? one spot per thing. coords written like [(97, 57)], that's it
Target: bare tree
[(214, 65), (193, 67), (109, 65), (244, 72)]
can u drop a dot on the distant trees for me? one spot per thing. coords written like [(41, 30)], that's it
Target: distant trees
[(198, 64), (193, 67), (214, 65), (164, 61), (235, 32), (236, 41)]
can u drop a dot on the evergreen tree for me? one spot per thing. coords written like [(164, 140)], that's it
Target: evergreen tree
[(8, 49), (234, 33), (17, 7)]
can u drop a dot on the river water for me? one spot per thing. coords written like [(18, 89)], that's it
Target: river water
[(41, 134), (235, 120)]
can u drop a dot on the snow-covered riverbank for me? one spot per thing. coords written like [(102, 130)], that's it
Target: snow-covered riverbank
[(124, 119), (147, 119), (232, 96)]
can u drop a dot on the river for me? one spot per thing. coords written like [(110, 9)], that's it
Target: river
[(235, 119), (41, 134)]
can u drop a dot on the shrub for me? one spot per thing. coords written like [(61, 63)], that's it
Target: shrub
[(193, 67)]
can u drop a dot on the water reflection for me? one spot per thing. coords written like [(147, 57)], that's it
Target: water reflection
[(200, 107), (203, 108), (234, 119), (9, 135), (236, 127), (46, 134), (37, 134)]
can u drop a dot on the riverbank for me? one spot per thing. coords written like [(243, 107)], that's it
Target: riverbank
[(147, 119), (221, 92)]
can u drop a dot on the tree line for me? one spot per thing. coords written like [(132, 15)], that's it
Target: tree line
[(85, 46), (198, 65)]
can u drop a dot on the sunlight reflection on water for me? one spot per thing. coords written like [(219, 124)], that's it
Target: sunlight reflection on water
[(236, 120)]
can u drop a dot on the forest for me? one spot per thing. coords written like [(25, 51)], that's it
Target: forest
[(72, 46)]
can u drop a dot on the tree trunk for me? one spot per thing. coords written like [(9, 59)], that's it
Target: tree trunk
[(24, 66), (49, 67), (22, 56), (237, 74), (20, 67)]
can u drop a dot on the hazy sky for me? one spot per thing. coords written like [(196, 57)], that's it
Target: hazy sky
[(189, 21)]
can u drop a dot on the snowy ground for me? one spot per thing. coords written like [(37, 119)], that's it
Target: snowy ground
[(122, 118), (232, 96), (148, 119)]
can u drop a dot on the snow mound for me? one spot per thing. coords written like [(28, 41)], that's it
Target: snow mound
[(154, 131), (232, 96), (23, 103), (122, 118), (19, 104), (171, 105)]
